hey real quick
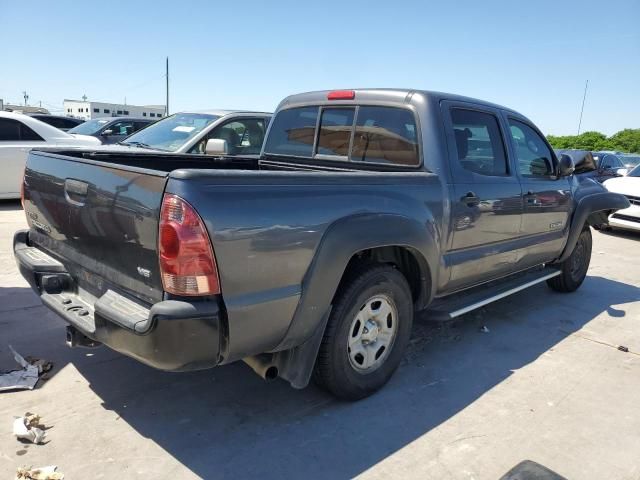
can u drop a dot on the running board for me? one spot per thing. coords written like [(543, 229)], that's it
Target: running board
[(458, 304)]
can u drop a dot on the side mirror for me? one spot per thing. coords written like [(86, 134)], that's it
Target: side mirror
[(216, 146), (622, 171), (566, 166), (107, 132)]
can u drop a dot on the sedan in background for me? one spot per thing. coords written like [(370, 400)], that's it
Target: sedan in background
[(111, 129), (630, 161), (629, 186), (63, 123), (609, 165), (20, 133)]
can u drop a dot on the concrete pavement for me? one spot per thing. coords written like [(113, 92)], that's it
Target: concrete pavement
[(547, 383)]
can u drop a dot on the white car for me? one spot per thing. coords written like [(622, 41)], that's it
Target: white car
[(20, 133), (189, 133), (629, 186)]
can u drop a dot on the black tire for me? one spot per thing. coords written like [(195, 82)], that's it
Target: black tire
[(334, 369), (574, 269)]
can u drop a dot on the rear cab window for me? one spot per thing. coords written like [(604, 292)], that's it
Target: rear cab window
[(359, 134), (293, 132)]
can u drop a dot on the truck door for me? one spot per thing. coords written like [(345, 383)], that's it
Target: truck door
[(546, 199), (486, 204)]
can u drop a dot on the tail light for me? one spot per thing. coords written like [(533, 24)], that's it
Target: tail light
[(187, 264)]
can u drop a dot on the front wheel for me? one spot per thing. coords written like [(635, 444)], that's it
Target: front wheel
[(367, 333), (574, 269)]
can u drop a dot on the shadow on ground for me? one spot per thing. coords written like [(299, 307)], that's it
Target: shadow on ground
[(228, 422), (10, 205), (618, 232)]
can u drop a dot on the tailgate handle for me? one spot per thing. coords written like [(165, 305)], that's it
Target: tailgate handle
[(75, 191)]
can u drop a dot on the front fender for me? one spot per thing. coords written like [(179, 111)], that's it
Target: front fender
[(342, 240), (587, 205)]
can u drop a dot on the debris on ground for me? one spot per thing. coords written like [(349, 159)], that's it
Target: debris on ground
[(43, 366), (622, 348), (484, 329), (41, 473), (29, 428), (25, 379)]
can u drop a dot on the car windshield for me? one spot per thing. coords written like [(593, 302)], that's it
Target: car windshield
[(90, 127), (172, 132), (635, 172), (630, 160)]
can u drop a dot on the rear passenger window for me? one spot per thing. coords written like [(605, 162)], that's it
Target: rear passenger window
[(532, 153), (335, 131), (479, 142), (9, 130), (27, 134), (293, 132), (385, 135)]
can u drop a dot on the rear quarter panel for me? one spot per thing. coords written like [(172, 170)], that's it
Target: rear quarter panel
[(266, 229)]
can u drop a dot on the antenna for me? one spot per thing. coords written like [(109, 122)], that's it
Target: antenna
[(167, 75), (582, 108)]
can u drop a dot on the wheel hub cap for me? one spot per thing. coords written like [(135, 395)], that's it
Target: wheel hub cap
[(372, 333)]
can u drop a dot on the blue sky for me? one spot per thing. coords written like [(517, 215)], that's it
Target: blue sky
[(531, 56)]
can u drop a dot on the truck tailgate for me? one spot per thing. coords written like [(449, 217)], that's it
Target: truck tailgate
[(99, 219)]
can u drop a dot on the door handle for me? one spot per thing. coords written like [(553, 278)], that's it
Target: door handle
[(75, 191), (470, 199)]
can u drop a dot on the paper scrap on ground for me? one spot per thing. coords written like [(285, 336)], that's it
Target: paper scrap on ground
[(41, 473), (29, 428), (26, 378)]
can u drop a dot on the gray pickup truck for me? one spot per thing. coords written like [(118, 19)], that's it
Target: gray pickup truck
[(364, 207)]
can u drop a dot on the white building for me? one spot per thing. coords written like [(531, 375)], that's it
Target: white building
[(88, 110)]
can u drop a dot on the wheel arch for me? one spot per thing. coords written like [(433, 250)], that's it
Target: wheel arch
[(589, 210), (403, 242)]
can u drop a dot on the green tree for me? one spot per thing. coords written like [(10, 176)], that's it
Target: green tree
[(592, 141), (567, 141), (627, 140)]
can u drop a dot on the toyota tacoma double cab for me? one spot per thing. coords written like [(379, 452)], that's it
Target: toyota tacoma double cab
[(309, 261)]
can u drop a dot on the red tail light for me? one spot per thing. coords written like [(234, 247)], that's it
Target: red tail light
[(341, 95), (187, 264)]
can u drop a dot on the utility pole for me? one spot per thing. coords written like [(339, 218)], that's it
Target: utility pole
[(582, 108), (167, 102), (25, 95)]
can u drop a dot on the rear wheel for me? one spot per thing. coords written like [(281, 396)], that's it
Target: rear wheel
[(367, 333), (574, 269)]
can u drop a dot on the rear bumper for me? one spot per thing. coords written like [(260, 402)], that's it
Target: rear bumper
[(173, 335)]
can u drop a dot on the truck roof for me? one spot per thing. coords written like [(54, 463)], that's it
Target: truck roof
[(400, 95), (221, 112)]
